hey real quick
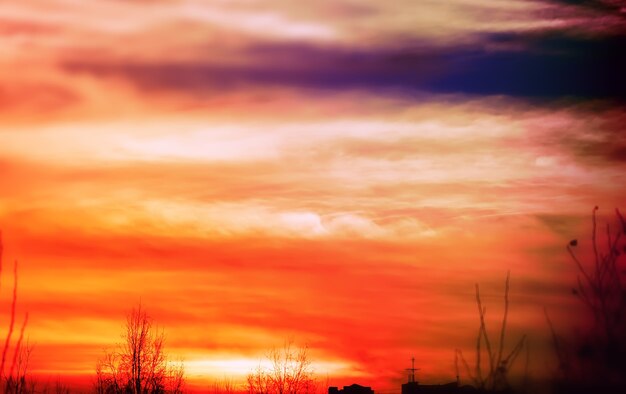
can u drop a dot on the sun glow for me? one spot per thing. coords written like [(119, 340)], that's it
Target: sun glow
[(216, 368)]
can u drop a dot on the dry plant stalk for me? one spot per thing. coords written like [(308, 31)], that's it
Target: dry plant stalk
[(495, 377), (9, 380)]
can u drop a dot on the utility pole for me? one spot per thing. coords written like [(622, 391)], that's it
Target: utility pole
[(412, 371)]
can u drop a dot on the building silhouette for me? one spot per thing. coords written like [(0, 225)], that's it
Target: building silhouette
[(352, 389), (416, 388), (413, 386)]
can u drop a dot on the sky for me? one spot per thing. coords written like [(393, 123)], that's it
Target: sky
[(341, 173)]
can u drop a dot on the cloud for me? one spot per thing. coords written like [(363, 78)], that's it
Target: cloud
[(603, 143), (548, 67), (563, 225), (615, 7), (592, 137), (365, 176), (29, 98), (535, 50), (326, 69)]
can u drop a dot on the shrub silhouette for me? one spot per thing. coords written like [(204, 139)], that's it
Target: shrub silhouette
[(595, 359), (139, 364)]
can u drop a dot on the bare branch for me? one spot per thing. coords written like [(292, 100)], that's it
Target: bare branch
[(12, 322), (504, 319)]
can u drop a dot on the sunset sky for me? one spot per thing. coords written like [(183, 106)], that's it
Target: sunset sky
[(337, 172)]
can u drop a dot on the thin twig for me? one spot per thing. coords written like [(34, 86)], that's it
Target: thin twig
[(555, 341), (504, 319), (580, 266), (526, 368), (1, 252), (593, 239), (479, 375), (12, 323), (467, 367), (483, 328), (18, 346), (510, 359)]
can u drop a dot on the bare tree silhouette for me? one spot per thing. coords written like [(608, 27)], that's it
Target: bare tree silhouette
[(595, 359), (288, 372), (139, 365), (495, 376)]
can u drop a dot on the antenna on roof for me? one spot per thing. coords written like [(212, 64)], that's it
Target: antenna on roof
[(412, 371)]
